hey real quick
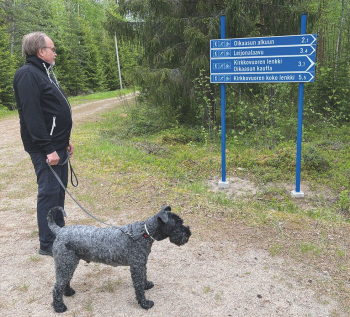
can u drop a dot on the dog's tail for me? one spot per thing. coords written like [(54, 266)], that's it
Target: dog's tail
[(50, 219)]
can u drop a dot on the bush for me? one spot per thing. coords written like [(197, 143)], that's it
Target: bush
[(314, 160), (344, 202), (145, 120), (183, 136)]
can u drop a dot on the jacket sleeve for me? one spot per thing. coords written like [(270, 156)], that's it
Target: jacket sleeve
[(29, 95)]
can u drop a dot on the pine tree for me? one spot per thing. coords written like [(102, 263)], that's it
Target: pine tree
[(7, 70), (109, 63), (174, 38), (91, 59)]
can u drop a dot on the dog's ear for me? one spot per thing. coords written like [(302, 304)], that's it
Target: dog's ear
[(165, 208), (163, 215)]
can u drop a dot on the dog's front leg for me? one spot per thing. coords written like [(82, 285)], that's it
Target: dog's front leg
[(138, 274), (148, 284)]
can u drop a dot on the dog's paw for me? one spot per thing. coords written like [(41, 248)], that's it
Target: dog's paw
[(148, 285), (59, 307), (69, 291), (146, 304)]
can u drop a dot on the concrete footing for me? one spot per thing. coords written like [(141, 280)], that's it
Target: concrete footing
[(224, 184), (297, 194)]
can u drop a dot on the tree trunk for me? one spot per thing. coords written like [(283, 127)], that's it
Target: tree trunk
[(13, 26), (337, 56)]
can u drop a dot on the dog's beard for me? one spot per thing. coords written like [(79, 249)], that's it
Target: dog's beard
[(180, 238)]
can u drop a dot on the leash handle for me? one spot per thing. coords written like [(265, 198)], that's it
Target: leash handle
[(71, 175)]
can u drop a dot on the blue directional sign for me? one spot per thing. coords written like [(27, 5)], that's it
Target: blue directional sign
[(298, 50), (262, 65), (264, 77), (268, 59), (290, 40)]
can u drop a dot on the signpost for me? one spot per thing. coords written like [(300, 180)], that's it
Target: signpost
[(263, 60), (274, 59)]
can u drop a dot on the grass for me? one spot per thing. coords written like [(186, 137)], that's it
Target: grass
[(275, 249), (76, 100), (127, 174), (110, 286), (23, 288), (310, 247), (6, 113), (89, 306), (166, 167), (35, 258), (98, 96), (122, 171), (186, 168)]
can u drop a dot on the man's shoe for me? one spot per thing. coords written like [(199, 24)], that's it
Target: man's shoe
[(45, 252)]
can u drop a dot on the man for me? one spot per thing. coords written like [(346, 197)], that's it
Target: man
[(46, 123)]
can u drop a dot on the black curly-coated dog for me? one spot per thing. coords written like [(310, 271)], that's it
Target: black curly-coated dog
[(128, 245)]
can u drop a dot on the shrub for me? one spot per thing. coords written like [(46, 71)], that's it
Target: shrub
[(314, 160), (344, 202)]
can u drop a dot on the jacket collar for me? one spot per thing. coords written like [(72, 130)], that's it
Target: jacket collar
[(38, 62)]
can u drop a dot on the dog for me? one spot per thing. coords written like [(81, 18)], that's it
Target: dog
[(127, 245)]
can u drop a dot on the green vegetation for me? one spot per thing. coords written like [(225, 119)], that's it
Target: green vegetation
[(98, 96), (167, 148), (174, 75), (185, 163), (124, 171), (86, 59), (4, 112)]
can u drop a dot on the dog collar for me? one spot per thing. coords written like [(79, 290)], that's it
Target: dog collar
[(146, 235)]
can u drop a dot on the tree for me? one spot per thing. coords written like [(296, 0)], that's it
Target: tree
[(86, 54), (91, 59), (331, 93), (174, 38), (109, 63), (7, 70)]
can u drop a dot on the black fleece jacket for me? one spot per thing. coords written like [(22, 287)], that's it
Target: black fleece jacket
[(44, 111)]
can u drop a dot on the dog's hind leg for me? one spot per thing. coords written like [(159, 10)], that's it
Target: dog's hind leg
[(138, 273), (65, 267), (69, 291)]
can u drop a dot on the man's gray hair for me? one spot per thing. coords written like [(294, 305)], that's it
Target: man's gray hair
[(32, 42)]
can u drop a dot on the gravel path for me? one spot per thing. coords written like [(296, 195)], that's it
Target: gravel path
[(217, 273)]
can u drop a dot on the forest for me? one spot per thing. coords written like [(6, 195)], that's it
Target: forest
[(86, 54), (164, 53)]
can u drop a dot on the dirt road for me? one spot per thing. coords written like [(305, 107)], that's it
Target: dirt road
[(215, 274)]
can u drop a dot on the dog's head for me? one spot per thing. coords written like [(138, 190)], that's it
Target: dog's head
[(170, 225)]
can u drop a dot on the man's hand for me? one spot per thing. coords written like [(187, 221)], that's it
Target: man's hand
[(70, 148), (53, 158)]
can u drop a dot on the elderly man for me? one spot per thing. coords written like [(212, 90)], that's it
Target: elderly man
[(46, 123)]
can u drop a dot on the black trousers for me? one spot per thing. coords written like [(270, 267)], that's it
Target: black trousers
[(50, 193)]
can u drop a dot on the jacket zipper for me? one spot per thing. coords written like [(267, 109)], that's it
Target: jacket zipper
[(48, 75), (70, 109), (53, 125)]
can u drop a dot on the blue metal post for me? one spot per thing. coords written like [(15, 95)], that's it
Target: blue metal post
[(223, 133), (300, 118), (223, 113)]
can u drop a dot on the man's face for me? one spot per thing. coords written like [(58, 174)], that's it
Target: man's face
[(48, 53)]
